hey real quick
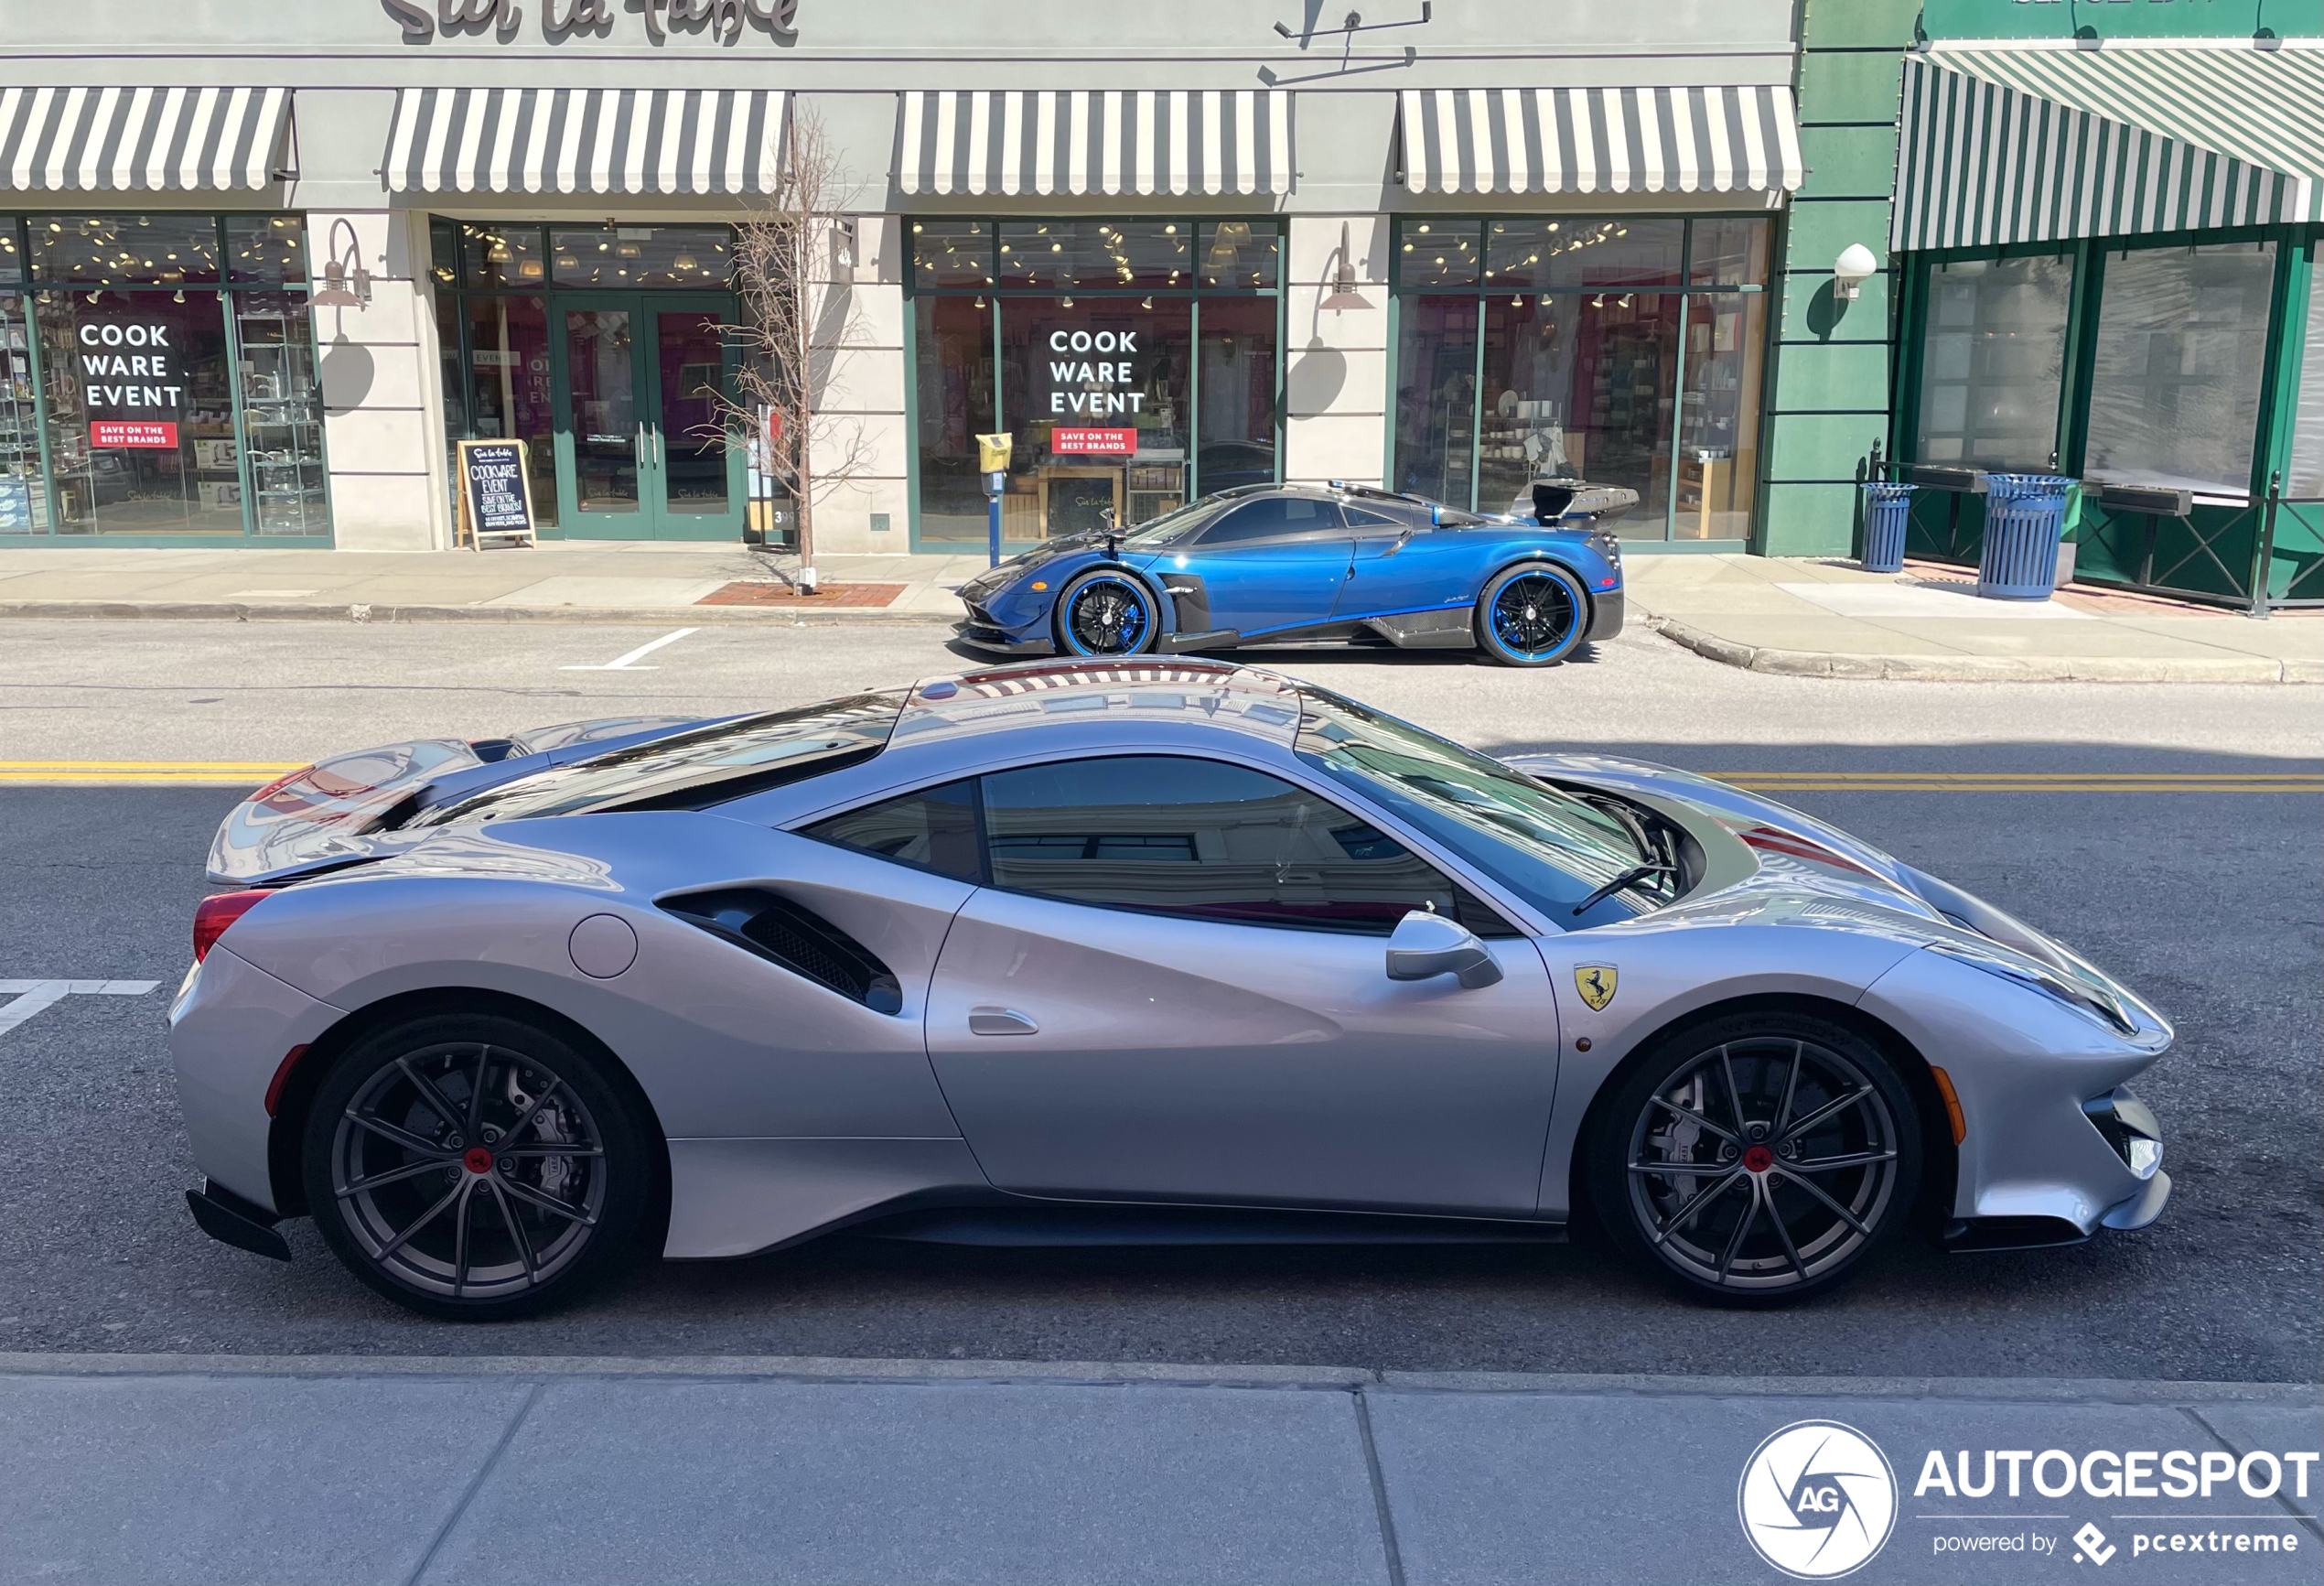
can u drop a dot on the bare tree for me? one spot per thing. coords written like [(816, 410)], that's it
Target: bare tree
[(794, 265)]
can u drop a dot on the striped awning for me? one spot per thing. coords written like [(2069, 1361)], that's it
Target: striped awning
[(154, 140), (1599, 140), (1143, 141), (585, 140), (2032, 143)]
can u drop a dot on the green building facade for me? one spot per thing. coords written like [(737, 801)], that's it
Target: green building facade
[(2097, 225)]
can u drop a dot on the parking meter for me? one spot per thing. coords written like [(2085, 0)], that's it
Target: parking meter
[(992, 460)]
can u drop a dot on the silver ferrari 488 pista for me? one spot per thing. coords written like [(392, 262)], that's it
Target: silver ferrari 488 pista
[(1114, 951)]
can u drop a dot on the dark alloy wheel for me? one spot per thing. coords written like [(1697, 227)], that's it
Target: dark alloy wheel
[(475, 1168), (1757, 1157), (1105, 612), (1532, 615)]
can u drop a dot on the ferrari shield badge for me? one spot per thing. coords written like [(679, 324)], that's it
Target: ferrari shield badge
[(1595, 983)]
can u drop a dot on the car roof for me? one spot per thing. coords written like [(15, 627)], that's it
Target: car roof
[(1082, 692)]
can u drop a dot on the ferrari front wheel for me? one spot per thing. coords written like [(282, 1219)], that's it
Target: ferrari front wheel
[(475, 1167), (1532, 615), (1757, 1157), (1105, 612)]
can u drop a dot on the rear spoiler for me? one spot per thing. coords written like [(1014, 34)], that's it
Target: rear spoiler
[(346, 810), (1557, 499)]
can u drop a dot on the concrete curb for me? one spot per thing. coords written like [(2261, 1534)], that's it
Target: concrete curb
[(817, 1368), (289, 611), (1986, 668)]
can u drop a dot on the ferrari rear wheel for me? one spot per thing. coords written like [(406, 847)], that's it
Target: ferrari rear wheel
[(475, 1168), (1532, 615), (1105, 612), (1758, 1157)]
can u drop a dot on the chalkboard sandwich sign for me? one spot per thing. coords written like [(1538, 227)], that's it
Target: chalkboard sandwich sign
[(496, 493)]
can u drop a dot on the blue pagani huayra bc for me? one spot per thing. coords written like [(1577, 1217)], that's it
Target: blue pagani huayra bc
[(1319, 564)]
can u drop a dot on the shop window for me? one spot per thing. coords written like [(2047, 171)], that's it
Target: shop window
[(1235, 428), (1119, 254), (281, 413), (1438, 254), (1435, 397), (1094, 391), (503, 256), (508, 395), (1550, 255), (444, 253), (1718, 429), (1240, 254), (265, 248), (1992, 358), (126, 250), (655, 256), (2175, 382), (953, 405), (24, 497), (1568, 346), (2305, 479), (1729, 251), (141, 412), (11, 255), (951, 253)]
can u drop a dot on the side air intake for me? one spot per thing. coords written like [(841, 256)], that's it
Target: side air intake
[(799, 939)]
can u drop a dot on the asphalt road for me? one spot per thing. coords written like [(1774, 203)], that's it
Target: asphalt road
[(2208, 903)]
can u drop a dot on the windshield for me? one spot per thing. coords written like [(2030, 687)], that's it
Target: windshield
[(1175, 528), (1550, 847), (694, 770)]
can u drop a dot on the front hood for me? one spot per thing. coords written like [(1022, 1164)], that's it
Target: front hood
[(1806, 872), (993, 579), (333, 812)]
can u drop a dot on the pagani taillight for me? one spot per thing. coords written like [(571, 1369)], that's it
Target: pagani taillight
[(220, 909)]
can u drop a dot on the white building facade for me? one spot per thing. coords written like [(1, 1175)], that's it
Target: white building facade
[(1168, 248)]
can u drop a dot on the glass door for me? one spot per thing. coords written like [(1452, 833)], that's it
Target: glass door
[(638, 452)]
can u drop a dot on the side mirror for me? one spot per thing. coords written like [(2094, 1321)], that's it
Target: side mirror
[(1426, 945)]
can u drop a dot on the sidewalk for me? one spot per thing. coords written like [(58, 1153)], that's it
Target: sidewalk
[(117, 1471), (1818, 617), (588, 580)]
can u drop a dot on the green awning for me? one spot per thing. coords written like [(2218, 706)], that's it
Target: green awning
[(2047, 142)]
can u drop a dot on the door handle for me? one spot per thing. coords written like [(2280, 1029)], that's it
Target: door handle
[(1000, 1021)]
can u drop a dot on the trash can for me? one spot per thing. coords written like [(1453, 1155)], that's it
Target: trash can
[(2024, 515), (1886, 510)]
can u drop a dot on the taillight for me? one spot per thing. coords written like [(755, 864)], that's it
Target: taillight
[(215, 913)]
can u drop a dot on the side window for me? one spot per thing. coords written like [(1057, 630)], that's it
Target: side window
[(1169, 835), (934, 829), (1362, 518), (1272, 517)]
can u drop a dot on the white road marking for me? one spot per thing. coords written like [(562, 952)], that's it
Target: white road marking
[(630, 663), (33, 996)]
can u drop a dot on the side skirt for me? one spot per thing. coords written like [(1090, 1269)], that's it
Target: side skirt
[(1099, 1226)]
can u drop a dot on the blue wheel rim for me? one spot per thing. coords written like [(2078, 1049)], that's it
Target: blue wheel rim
[(1109, 615), (1534, 616)]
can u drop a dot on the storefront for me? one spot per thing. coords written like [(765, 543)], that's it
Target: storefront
[(1162, 272), (2108, 269)]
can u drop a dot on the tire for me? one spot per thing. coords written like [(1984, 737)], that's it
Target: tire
[(1106, 611), (440, 1224), (1755, 1211), (1532, 614)]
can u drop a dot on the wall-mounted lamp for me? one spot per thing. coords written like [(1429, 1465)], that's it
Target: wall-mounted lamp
[(1851, 270), (1343, 294), (346, 283)]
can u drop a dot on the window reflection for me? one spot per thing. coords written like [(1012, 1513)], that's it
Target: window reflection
[(1992, 359)]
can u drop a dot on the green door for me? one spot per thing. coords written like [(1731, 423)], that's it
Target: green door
[(638, 453)]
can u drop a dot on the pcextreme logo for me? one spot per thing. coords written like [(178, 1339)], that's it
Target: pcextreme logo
[(1817, 1500)]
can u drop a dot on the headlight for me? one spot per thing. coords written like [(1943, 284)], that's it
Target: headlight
[(2092, 999)]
